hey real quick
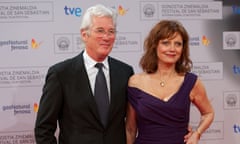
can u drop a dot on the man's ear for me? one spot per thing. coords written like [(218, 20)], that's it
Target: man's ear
[(84, 34)]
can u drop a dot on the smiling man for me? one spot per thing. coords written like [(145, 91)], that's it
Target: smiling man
[(69, 97)]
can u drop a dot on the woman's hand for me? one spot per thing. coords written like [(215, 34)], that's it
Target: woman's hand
[(193, 138)]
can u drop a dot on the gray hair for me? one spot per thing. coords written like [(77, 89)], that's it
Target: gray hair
[(98, 10)]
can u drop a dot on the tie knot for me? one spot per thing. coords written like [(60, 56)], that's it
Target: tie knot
[(99, 65)]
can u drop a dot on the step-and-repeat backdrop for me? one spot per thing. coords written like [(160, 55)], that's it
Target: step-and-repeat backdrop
[(36, 34)]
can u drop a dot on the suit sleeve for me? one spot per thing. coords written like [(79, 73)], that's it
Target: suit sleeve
[(49, 108)]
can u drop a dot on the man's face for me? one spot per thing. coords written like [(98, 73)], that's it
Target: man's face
[(99, 38)]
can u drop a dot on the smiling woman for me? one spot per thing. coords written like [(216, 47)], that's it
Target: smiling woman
[(160, 96)]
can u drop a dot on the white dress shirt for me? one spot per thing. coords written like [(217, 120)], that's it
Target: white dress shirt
[(92, 71)]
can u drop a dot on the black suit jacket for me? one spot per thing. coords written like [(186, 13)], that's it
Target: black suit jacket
[(67, 98)]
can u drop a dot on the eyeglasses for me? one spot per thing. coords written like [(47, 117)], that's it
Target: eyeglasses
[(101, 32)]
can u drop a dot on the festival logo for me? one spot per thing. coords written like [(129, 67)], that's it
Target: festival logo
[(35, 44), (35, 107), (63, 43), (18, 109), (231, 100), (231, 40), (121, 10), (149, 10), (205, 41)]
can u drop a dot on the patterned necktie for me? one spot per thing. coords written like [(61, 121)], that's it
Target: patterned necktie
[(101, 94)]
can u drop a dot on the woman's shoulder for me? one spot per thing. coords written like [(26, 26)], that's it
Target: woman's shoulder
[(136, 79)]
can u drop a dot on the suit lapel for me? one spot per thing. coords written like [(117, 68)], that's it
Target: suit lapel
[(85, 85), (114, 88)]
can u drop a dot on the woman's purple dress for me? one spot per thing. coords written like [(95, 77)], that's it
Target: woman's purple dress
[(162, 122)]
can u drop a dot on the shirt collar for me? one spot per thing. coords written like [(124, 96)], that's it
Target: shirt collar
[(90, 63)]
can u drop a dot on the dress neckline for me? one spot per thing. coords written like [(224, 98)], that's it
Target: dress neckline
[(169, 98)]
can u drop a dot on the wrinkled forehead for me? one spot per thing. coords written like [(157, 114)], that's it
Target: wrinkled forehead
[(101, 21), (171, 35)]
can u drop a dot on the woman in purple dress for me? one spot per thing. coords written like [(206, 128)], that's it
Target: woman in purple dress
[(160, 96)]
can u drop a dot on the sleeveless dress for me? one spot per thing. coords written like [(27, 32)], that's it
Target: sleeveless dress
[(162, 122)]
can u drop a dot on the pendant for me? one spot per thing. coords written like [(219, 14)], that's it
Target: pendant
[(162, 83)]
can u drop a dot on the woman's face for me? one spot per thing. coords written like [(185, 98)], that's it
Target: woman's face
[(169, 50)]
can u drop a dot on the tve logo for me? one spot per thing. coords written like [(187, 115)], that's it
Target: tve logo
[(236, 9), (236, 69), (73, 11), (236, 128)]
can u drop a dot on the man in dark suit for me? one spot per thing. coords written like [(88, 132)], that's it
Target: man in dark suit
[(68, 97)]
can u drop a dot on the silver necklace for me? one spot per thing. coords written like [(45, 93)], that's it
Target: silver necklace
[(163, 82)]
